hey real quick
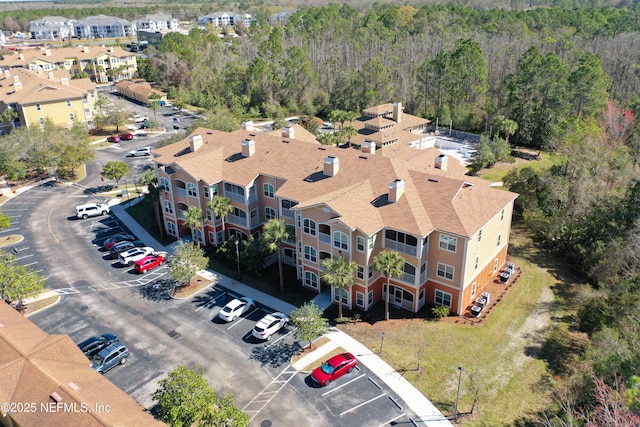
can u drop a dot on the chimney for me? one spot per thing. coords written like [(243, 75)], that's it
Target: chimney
[(248, 147), (288, 132), (50, 75), (47, 52), (368, 146), (64, 81), (396, 190), (248, 125), (7, 74), (17, 86), (85, 49), (331, 166), (397, 112), (195, 142), (110, 49), (16, 79), (441, 162), (21, 56)]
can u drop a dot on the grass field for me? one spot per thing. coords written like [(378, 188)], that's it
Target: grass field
[(499, 170)]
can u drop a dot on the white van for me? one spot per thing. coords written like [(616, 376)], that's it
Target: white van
[(92, 209)]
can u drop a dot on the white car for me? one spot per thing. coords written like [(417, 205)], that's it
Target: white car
[(138, 118), (142, 151), (269, 325), (236, 308), (129, 257)]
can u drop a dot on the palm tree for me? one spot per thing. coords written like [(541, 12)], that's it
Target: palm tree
[(340, 273), (193, 219), (390, 264), (150, 179), (273, 232), (220, 206), (154, 104), (348, 132)]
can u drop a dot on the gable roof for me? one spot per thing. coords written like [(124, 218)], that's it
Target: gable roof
[(358, 192), (34, 365), (40, 88), (58, 55)]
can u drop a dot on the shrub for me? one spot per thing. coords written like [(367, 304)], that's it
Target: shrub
[(440, 311), (341, 320)]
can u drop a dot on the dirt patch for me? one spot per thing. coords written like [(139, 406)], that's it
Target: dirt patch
[(196, 284)]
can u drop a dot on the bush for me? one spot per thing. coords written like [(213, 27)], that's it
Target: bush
[(440, 311), (341, 320)]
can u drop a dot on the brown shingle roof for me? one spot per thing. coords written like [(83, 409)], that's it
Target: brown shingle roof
[(39, 88), (34, 364), (62, 54), (361, 182)]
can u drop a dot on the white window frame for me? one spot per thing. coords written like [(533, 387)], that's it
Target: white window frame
[(370, 271), (345, 295), (443, 270), (480, 236), (209, 215), (360, 272), (495, 265), (68, 103), (309, 279), (441, 298), (502, 215), (477, 263), (372, 242), (269, 213), (309, 227), (192, 189), (447, 241), (360, 243), (499, 239), (168, 207), (268, 190), (473, 289), (171, 228), (360, 299), (340, 240), (164, 184), (310, 254), (369, 298), (72, 116), (38, 107)]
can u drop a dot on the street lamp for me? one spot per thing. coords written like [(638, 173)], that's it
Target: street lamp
[(238, 256), (460, 369), (381, 341)]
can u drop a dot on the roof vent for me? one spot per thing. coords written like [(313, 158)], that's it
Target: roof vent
[(368, 147), (288, 132), (73, 385), (248, 125), (248, 147), (441, 162), (432, 180), (396, 190), (56, 396), (363, 157), (195, 142)]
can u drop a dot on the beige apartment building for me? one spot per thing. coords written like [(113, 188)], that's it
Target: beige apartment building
[(102, 63), (36, 96), (451, 229)]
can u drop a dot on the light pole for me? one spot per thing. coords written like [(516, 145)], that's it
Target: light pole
[(460, 369), (381, 341), (238, 256)]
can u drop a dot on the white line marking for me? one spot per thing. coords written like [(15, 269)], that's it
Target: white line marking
[(31, 263), (240, 319), (342, 385), (392, 420), (23, 257), (363, 403), (212, 299), (375, 383), (9, 229), (282, 337)]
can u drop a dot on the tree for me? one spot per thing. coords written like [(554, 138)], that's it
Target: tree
[(16, 281), (5, 220), (391, 264), (221, 207), (185, 399), (118, 115), (309, 321), (339, 273), (115, 170), (154, 104), (273, 232), (193, 219), (187, 259), (150, 179)]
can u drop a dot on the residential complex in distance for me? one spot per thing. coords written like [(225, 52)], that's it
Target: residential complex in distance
[(101, 63), (36, 96), (451, 229)]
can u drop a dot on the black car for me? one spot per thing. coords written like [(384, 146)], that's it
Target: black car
[(124, 246), (92, 346), (107, 244)]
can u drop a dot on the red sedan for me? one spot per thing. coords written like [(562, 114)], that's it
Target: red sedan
[(334, 368), (126, 136), (114, 138), (149, 263)]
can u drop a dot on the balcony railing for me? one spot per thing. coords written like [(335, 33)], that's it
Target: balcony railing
[(324, 238), (182, 213), (255, 221), (253, 198), (409, 278), (288, 213), (234, 219), (400, 247), (235, 196), (182, 192)]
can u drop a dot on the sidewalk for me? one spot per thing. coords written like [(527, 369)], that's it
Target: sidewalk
[(120, 211), (429, 415)]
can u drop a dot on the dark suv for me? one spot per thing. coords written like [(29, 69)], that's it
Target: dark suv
[(109, 357), (92, 346)]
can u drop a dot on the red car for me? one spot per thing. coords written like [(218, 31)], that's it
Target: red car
[(126, 136), (333, 369), (114, 138), (149, 262)]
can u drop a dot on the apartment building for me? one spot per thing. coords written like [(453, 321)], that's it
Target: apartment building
[(101, 63), (451, 229), (102, 26), (157, 22), (225, 19), (51, 28), (36, 96)]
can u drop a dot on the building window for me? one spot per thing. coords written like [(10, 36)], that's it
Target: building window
[(372, 241), (72, 116), (360, 272), (205, 191), (502, 215), (311, 279), (212, 238), (448, 243), (192, 190), (168, 208), (268, 190), (442, 298), (359, 299), (219, 236), (499, 238), (369, 298), (423, 272), (473, 290), (269, 213), (445, 271), (171, 228), (336, 295), (68, 103), (479, 236), (209, 215), (38, 107), (360, 243), (370, 271), (475, 265), (310, 254), (495, 265), (409, 273), (164, 184), (309, 226), (340, 240)]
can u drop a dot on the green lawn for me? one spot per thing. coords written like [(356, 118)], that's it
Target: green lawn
[(497, 172)]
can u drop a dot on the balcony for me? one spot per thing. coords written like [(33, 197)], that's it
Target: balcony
[(324, 238), (237, 197), (253, 198), (288, 213), (237, 220), (409, 278), (181, 192), (400, 247)]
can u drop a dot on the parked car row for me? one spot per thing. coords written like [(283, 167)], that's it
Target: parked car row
[(132, 252), (265, 328), (104, 351), (128, 136)]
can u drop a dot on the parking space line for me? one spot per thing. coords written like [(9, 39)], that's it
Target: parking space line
[(243, 318), (283, 378), (31, 263), (342, 385), (23, 257), (282, 337), (210, 300), (390, 422), (362, 404), (9, 229), (375, 383), (23, 249)]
